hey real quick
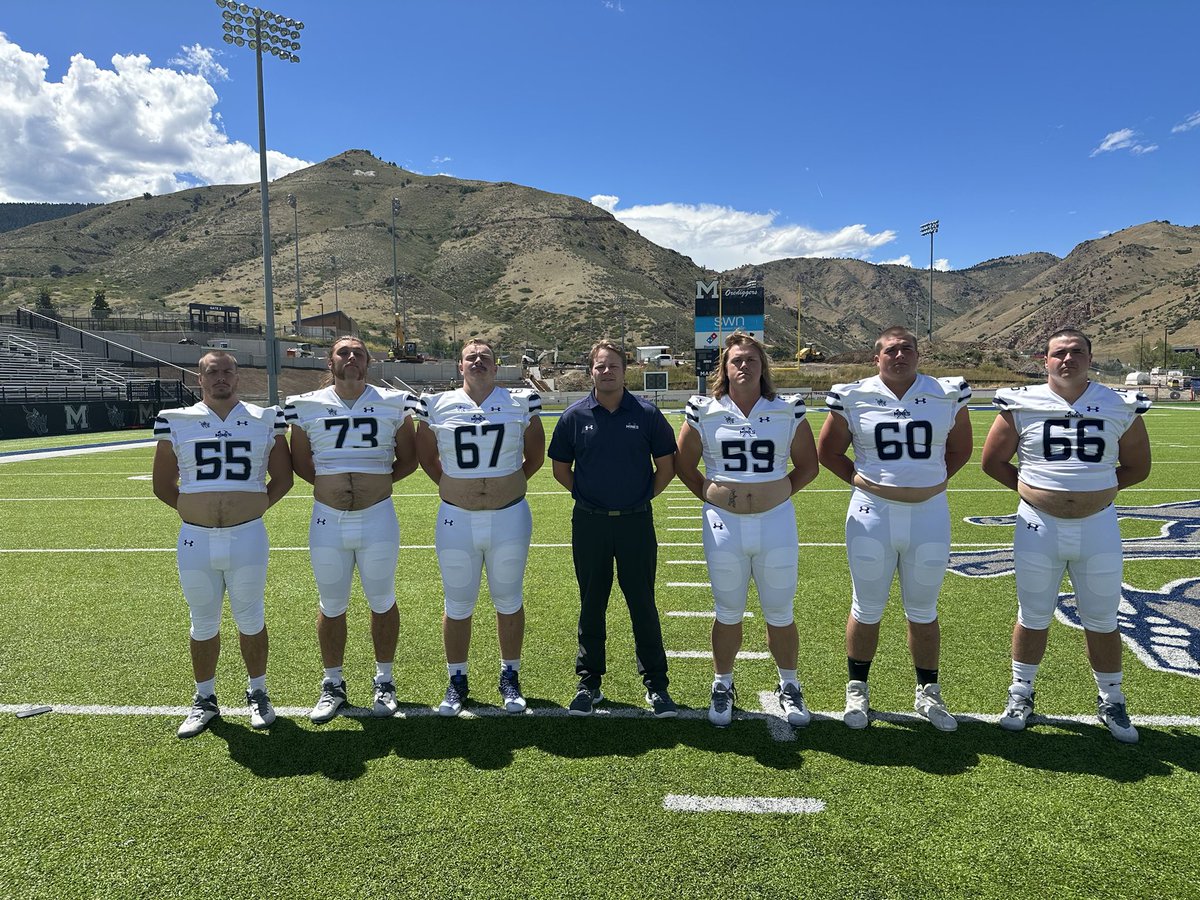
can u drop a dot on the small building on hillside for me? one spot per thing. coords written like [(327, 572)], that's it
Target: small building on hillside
[(327, 326)]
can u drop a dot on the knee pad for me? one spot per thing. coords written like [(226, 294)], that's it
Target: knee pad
[(866, 615), (506, 576), (459, 609), (377, 573), (331, 608), (460, 581), (730, 577), (1096, 621), (205, 621), (251, 623), (777, 587), (728, 610)]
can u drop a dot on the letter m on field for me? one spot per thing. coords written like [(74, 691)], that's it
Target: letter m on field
[(77, 417)]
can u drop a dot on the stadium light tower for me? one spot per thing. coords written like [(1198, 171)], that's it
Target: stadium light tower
[(397, 337), (291, 199), (278, 35), (930, 228)]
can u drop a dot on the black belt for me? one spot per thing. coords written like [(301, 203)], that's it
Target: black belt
[(597, 511)]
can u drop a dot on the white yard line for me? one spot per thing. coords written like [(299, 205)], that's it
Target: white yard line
[(690, 584), (695, 614), (772, 805), (707, 654)]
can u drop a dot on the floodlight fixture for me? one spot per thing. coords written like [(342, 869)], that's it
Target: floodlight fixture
[(930, 228), (262, 33)]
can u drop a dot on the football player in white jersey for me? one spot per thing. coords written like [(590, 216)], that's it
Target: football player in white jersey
[(220, 464), (352, 441), (480, 444), (746, 433), (1078, 443), (910, 433)]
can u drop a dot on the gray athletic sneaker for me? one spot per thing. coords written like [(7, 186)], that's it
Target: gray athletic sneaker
[(1018, 710), (929, 704), (1114, 717), (791, 701), (858, 705), (262, 713), (333, 696), (203, 711), (720, 709)]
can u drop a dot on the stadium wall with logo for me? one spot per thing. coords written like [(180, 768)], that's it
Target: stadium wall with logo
[(39, 419)]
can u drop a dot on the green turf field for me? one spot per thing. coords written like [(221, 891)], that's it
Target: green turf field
[(102, 800)]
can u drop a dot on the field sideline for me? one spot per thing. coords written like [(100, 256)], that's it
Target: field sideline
[(101, 799)]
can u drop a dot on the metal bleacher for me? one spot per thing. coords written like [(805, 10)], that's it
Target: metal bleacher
[(37, 365)]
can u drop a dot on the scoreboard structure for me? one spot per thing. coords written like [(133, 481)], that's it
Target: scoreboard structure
[(722, 311)]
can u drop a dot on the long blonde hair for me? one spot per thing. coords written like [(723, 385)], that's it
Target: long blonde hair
[(327, 380), (718, 382)]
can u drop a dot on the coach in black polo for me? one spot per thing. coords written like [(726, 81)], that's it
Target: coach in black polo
[(601, 451)]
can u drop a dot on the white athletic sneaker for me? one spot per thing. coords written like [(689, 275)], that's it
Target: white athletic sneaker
[(791, 701), (203, 711), (262, 713), (384, 704), (1017, 712), (331, 700), (858, 705), (720, 710), (929, 704), (1116, 719)]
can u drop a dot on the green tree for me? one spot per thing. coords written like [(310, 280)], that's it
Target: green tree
[(100, 307), (45, 302)]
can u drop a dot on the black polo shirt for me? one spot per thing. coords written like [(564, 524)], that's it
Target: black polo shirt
[(612, 452)]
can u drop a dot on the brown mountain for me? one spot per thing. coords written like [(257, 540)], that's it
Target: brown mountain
[(526, 266)]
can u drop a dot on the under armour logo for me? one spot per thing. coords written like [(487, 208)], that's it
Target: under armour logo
[(1032, 526), (921, 400), (478, 417), (447, 521), (224, 433), (591, 426), (242, 422), (493, 409), (189, 543), (1093, 409), (764, 418), (881, 402), (368, 409), (718, 526), (864, 509), (320, 521), (206, 424)]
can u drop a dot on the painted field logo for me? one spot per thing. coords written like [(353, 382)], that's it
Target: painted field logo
[(1162, 627)]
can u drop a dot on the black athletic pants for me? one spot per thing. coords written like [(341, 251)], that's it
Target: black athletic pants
[(596, 541)]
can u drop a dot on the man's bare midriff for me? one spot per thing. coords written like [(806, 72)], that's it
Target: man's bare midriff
[(1067, 504), (483, 493), (352, 490), (899, 494), (744, 499), (222, 509)]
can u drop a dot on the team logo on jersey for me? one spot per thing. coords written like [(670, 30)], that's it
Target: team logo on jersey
[(331, 410), (1075, 414), (746, 431), (224, 433), (632, 426), (881, 402), (902, 414), (730, 420), (1161, 626), (478, 417), (206, 424)]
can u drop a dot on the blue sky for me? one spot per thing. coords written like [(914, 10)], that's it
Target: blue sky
[(734, 132)]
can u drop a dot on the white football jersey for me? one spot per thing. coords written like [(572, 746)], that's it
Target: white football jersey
[(359, 437), (216, 454), (900, 441), (479, 440), (1070, 446), (746, 449)]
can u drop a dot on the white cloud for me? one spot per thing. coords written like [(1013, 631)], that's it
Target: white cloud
[(1187, 124), (721, 237), (438, 160), (1124, 139), (202, 61), (940, 265), (106, 134)]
